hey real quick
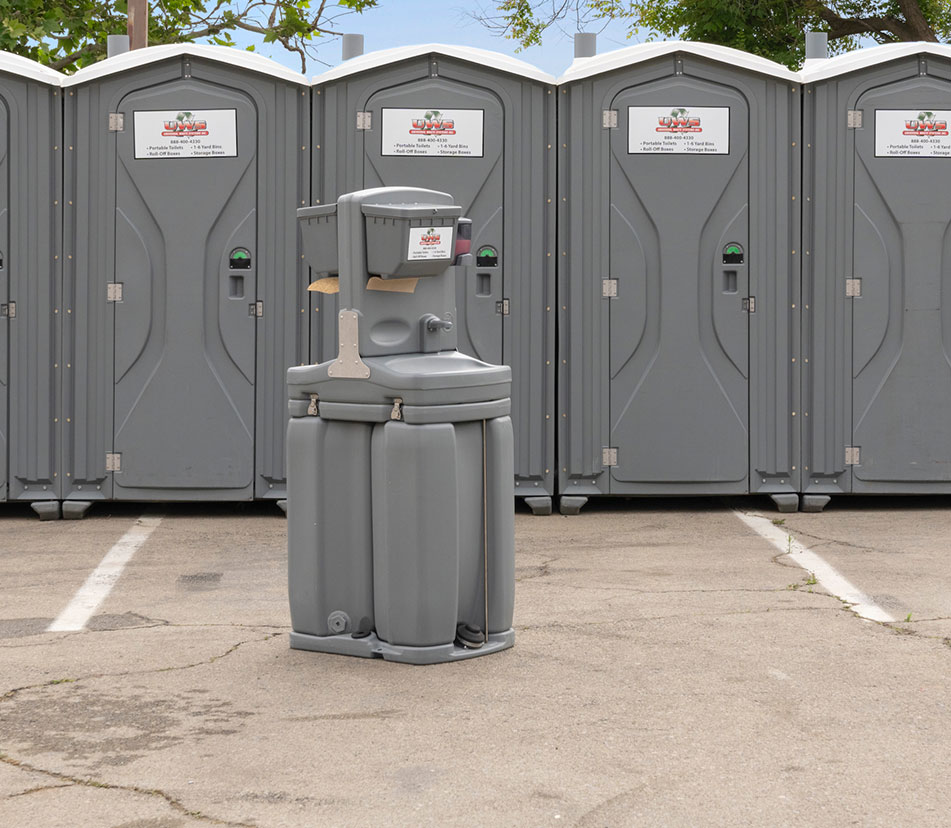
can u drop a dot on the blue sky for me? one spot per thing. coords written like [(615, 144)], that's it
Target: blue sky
[(404, 22)]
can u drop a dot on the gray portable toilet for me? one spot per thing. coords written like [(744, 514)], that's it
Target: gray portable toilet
[(480, 125), (678, 274), (184, 167), (30, 281), (877, 273)]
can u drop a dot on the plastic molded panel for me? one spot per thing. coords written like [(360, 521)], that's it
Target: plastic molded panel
[(679, 337), (185, 342), (4, 299), (901, 362), (30, 277), (418, 539), (330, 567)]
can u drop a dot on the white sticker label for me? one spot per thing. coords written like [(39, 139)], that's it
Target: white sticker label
[(429, 243), (695, 130), (182, 133), (912, 133), (434, 132)]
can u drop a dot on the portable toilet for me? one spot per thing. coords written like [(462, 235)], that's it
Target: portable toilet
[(480, 126), (184, 167), (30, 282), (877, 273), (679, 274)]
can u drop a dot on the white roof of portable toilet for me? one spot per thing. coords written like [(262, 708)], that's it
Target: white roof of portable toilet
[(628, 56), (817, 69), (222, 54), (26, 68), (481, 57)]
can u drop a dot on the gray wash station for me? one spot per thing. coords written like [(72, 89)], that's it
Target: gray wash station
[(400, 449), (678, 257), (877, 273)]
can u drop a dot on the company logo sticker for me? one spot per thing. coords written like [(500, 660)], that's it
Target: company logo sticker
[(184, 133), (433, 123), (679, 121), (185, 123), (458, 133), (926, 124), (917, 133), (427, 243), (678, 130)]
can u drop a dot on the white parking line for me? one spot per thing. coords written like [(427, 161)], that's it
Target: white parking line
[(825, 574), (100, 583)]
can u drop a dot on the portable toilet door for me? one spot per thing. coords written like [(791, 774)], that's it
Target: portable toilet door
[(480, 126), (185, 167), (876, 282), (30, 282), (679, 274)]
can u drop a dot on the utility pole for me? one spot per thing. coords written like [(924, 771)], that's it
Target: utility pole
[(138, 24)]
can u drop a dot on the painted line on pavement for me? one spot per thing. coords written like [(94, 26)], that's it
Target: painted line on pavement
[(824, 573), (100, 583)]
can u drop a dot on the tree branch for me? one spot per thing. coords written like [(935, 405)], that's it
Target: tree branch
[(68, 60), (899, 29), (916, 20)]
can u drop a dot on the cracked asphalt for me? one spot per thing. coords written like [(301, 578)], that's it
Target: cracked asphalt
[(670, 668)]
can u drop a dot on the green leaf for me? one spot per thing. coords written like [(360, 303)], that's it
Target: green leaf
[(69, 34), (773, 29)]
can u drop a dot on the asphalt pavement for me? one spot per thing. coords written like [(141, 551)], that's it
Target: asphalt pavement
[(672, 666)]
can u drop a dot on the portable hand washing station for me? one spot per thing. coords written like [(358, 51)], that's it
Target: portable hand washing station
[(400, 451)]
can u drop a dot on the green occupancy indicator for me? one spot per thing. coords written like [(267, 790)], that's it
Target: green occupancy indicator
[(486, 251), (239, 259), (733, 254)]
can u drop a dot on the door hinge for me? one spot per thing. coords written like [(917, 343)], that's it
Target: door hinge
[(113, 291), (749, 305), (503, 307), (9, 310), (608, 288), (852, 455), (853, 287), (256, 308), (609, 118), (313, 410), (116, 122), (397, 412), (364, 120), (113, 462), (608, 456), (855, 119)]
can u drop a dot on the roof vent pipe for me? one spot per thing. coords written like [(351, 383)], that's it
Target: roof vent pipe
[(586, 44), (117, 45), (817, 45), (351, 46)]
